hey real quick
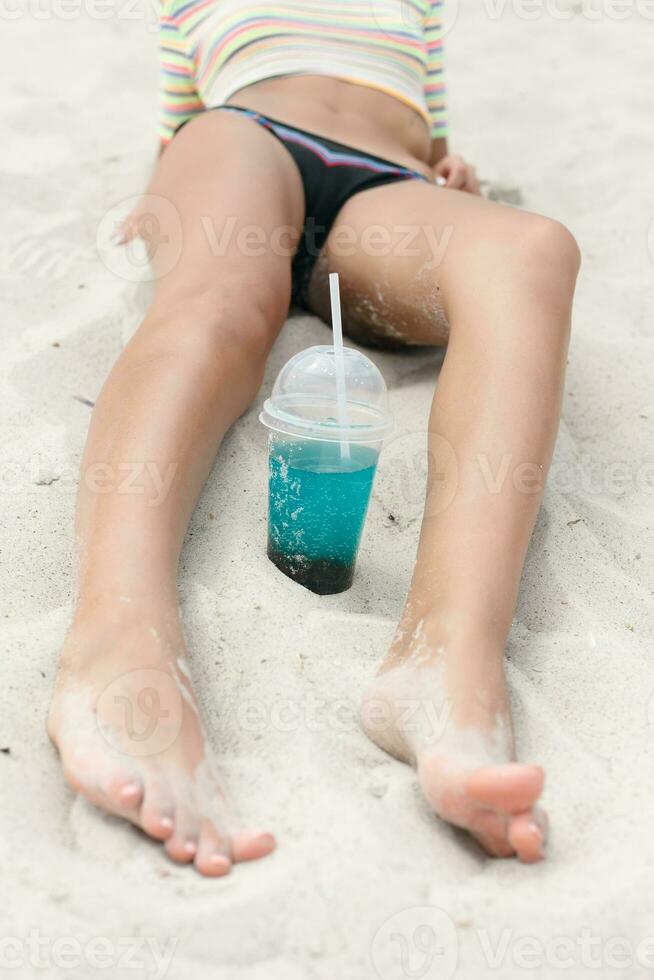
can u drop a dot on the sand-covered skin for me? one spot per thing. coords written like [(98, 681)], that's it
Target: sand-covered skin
[(557, 112)]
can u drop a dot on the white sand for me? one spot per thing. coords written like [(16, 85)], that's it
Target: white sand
[(560, 110)]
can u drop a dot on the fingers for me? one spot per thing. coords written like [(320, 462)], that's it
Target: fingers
[(454, 170), (130, 227), (127, 230), (457, 175), (472, 185)]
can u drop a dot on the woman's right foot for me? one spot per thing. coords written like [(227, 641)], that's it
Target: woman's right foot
[(446, 711), (125, 721)]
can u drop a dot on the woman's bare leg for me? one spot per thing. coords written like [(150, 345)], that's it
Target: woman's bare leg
[(124, 716), (500, 294)]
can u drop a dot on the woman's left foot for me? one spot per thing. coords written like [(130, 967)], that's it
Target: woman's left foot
[(447, 713), (127, 726)]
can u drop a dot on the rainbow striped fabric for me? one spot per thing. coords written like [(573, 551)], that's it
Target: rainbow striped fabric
[(210, 49)]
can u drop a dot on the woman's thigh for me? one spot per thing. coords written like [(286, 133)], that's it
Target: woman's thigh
[(223, 214), (403, 250)]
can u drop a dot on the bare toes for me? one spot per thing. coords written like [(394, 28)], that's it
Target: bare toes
[(511, 788), (250, 845), (180, 849), (125, 792), (213, 856), (156, 817), (527, 833), (120, 793), (493, 846), (490, 830), (182, 845)]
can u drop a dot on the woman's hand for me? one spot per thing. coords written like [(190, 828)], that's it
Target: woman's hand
[(456, 174), (127, 229)]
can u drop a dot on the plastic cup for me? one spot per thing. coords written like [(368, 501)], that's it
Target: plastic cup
[(321, 471)]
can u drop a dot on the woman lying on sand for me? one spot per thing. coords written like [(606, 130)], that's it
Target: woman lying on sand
[(316, 125)]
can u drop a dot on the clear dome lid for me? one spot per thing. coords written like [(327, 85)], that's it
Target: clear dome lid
[(303, 401)]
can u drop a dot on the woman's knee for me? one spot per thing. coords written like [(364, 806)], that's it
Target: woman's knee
[(524, 251), (545, 256), (231, 316), (528, 260)]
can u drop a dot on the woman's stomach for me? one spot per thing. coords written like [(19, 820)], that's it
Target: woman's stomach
[(347, 112)]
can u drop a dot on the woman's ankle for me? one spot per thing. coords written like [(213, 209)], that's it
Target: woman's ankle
[(114, 617), (124, 605), (436, 634)]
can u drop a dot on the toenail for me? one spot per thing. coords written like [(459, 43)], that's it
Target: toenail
[(166, 823), (190, 847), (220, 861), (259, 835), (535, 829), (130, 789)]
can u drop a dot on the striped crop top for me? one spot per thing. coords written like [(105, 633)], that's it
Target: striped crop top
[(210, 49)]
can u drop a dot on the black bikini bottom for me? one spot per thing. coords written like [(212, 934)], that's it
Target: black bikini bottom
[(331, 174)]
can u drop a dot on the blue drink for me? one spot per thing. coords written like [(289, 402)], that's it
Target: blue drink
[(317, 506), (328, 417)]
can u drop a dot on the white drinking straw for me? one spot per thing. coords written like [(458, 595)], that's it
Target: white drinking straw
[(337, 329)]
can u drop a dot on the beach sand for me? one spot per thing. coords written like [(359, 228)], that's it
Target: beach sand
[(557, 114)]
